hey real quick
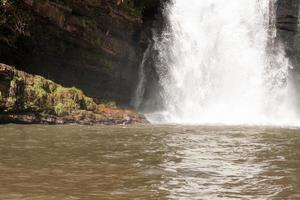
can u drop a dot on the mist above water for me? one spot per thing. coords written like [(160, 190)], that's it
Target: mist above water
[(219, 64)]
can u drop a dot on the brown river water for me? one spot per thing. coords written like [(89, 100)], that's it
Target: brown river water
[(149, 162)]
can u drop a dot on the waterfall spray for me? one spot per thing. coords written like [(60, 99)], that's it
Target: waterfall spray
[(140, 90), (219, 64)]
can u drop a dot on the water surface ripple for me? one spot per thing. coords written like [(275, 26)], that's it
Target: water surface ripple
[(149, 162)]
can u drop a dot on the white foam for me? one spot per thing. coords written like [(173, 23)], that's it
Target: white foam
[(217, 65)]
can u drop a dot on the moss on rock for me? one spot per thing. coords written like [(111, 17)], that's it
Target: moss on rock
[(100, 42), (25, 93), (36, 94)]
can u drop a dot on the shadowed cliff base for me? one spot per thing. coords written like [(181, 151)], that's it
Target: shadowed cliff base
[(28, 99)]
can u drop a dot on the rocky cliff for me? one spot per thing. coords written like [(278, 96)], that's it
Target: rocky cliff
[(95, 45), (98, 45), (26, 98), (288, 29)]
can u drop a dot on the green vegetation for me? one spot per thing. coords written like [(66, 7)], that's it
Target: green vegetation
[(39, 87), (39, 95), (70, 99), (60, 109), (34, 99)]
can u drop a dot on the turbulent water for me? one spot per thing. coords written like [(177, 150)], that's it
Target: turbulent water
[(149, 162), (219, 64)]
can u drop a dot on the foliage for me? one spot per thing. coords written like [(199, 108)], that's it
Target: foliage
[(36, 94), (60, 109), (39, 87), (13, 101)]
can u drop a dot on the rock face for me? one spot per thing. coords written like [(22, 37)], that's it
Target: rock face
[(288, 28), (98, 45), (95, 45), (25, 98)]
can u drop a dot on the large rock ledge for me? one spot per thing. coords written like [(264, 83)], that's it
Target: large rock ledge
[(29, 99)]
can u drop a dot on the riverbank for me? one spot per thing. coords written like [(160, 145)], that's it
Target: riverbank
[(31, 99)]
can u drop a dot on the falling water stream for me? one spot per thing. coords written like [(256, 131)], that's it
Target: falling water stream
[(219, 63), (140, 90)]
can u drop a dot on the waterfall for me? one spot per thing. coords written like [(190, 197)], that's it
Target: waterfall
[(140, 90), (219, 63)]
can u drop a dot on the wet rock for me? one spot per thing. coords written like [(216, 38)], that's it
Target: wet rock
[(288, 28), (30, 99)]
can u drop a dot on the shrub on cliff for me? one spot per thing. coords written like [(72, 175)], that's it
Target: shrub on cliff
[(21, 92), (26, 98)]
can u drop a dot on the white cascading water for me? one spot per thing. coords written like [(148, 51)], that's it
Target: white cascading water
[(218, 65), (140, 90)]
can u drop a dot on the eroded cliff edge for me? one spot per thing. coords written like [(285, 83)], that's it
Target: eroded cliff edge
[(30, 99), (95, 45)]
